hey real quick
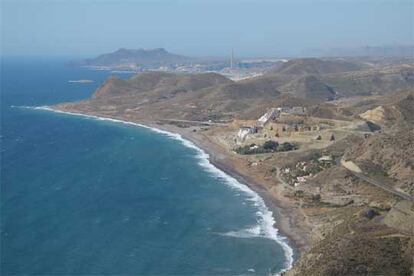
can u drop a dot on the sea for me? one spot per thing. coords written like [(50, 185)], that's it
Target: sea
[(85, 195)]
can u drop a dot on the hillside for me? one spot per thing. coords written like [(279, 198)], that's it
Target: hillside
[(406, 108), (157, 84), (359, 245), (372, 82), (334, 79), (309, 87), (314, 66), (389, 155), (391, 110), (372, 233), (210, 96)]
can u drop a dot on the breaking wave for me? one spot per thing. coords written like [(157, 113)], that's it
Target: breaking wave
[(265, 227)]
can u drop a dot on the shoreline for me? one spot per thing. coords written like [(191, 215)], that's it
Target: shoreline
[(289, 234), (285, 216)]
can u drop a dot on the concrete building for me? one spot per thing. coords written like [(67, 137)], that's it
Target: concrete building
[(244, 131)]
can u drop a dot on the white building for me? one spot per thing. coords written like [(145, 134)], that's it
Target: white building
[(274, 113), (269, 115), (243, 132)]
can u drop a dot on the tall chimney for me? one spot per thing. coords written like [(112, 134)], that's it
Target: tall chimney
[(232, 58)]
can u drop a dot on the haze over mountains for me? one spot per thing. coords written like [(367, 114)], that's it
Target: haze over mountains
[(367, 51), (160, 56), (157, 56)]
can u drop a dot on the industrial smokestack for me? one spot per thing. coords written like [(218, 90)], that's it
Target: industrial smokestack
[(232, 58)]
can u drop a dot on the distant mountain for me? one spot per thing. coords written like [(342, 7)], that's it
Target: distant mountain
[(136, 57)]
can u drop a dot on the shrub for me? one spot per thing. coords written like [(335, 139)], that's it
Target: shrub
[(286, 146), (270, 145), (373, 127), (316, 197)]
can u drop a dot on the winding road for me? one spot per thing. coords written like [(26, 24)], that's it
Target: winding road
[(195, 122), (356, 171)]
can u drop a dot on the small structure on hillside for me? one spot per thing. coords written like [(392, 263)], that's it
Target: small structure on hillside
[(275, 113), (326, 159), (296, 110), (244, 131), (270, 115)]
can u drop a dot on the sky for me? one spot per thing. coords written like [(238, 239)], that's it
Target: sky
[(201, 27)]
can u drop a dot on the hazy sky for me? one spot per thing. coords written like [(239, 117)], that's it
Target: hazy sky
[(201, 27)]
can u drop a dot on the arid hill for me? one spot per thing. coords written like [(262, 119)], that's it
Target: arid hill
[(309, 87), (314, 66), (157, 85), (333, 79), (373, 233), (372, 82), (359, 245), (406, 108), (210, 96), (389, 156), (394, 115)]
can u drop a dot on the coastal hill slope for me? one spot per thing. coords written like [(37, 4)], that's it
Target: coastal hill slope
[(392, 111), (309, 87), (182, 96), (136, 56), (380, 81), (369, 237), (158, 84), (360, 245), (388, 155), (210, 96), (333, 79), (316, 66)]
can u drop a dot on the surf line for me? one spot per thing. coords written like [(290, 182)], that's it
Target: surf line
[(265, 227)]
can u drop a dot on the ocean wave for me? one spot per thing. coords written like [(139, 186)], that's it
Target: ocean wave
[(266, 221), (252, 232)]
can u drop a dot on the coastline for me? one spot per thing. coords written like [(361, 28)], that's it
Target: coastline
[(229, 164), (284, 211), (290, 235)]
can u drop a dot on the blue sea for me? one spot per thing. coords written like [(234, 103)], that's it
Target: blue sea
[(84, 196)]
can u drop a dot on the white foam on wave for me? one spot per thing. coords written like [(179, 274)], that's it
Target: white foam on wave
[(266, 221), (252, 232)]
